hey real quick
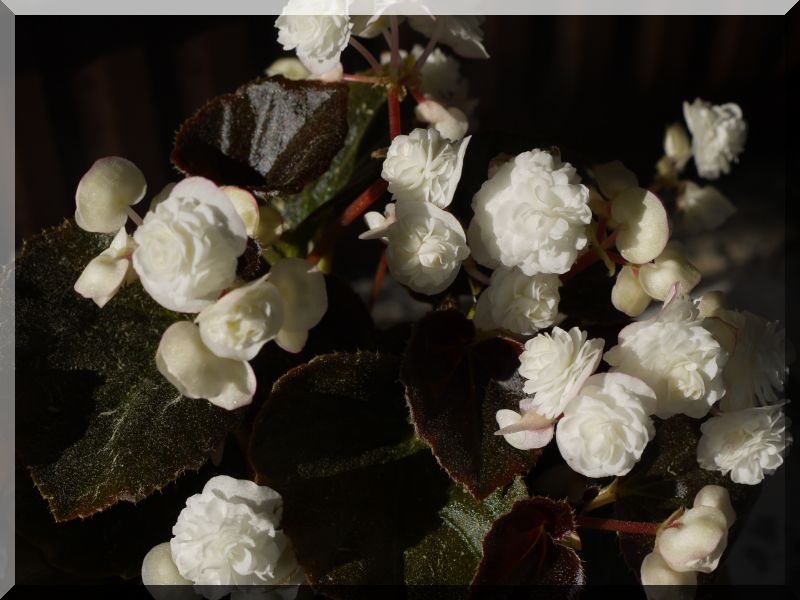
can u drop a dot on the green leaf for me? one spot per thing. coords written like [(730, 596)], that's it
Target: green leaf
[(364, 500), (364, 102), (272, 134), (96, 421), (667, 478), (455, 385)]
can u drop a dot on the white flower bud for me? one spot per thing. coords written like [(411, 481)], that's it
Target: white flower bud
[(246, 207), (520, 303), (105, 192), (305, 300), (677, 145), (613, 179), (462, 33), (669, 268), (289, 67), (703, 208), (424, 166), (451, 123), (711, 303), (694, 541), (642, 223), (718, 136), (717, 497), (196, 372), (318, 30), (627, 294), (159, 569), (524, 432), (108, 271), (656, 573)]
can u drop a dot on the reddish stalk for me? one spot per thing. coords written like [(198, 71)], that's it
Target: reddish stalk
[(377, 282), (366, 79), (395, 126), (618, 526), (418, 96)]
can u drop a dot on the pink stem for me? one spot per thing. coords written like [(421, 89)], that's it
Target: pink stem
[(134, 216), (377, 282), (365, 79), (618, 526), (373, 62), (430, 46), (394, 43), (395, 126)]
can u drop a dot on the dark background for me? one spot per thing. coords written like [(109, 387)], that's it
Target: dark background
[(601, 88)]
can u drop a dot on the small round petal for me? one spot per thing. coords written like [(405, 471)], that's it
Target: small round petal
[(451, 123), (703, 208), (717, 497), (292, 341), (158, 569), (643, 225), (677, 145), (695, 541), (107, 272), (196, 372), (711, 303), (627, 295), (524, 432), (613, 178), (105, 192), (656, 574), (289, 67), (270, 225), (305, 299), (246, 206), (669, 268)]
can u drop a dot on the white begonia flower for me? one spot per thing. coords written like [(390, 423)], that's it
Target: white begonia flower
[(425, 167), (748, 443), (105, 192), (718, 136), (677, 146), (108, 271), (290, 67), (756, 369), (270, 225), (524, 432), (246, 207), (318, 30), (451, 123), (606, 427), (642, 222), (676, 356), (189, 245), (717, 497), (627, 295), (555, 367), (671, 267), (695, 540), (378, 224), (305, 300), (158, 569), (532, 214), (656, 573), (703, 208), (229, 535), (185, 361), (239, 324), (520, 303), (462, 33)]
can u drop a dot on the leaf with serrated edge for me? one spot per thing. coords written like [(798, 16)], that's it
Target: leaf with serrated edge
[(96, 422)]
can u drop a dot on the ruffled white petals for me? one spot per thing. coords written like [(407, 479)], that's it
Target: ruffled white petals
[(756, 370), (606, 427), (270, 225), (676, 356), (107, 272), (656, 573), (671, 267), (717, 497), (451, 123), (718, 136), (703, 208), (613, 178), (462, 33), (694, 541), (627, 294), (642, 223), (524, 432), (532, 213), (555, 366), (318, 30), (189, 245), (426, 247), (239, 324), (478, 248), (196, 372), (747, 443), (290, 67), (305, 300), (105, 192), (517, 302), (246, 207), (677, 146), (159, 569), (424, 166), (229, 535)]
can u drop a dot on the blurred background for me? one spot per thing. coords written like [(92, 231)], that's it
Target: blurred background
[(601, 88)]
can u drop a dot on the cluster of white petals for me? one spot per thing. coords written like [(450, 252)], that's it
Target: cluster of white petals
[(108, 271), (318, 30), (703, 208), (424, 166), (451, 123), (555, 367), (606, 427), (718, 136), (189, 245), (517, 302), (532, 214), (676, 356), (461, 33), (105, 192), (229, 535), (748, 443)]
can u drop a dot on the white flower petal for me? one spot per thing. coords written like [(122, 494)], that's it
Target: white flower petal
[(302, 288), (642, 223), (717, 497), (270, 225), (107, 272), (246, 207), (318, 30), (158, 569), (718, 136), (523, 432), (627, 294), (290, 67), (656, 573), (695, 541), (451, 123), (105, 192), (671, 267), (292, 341)]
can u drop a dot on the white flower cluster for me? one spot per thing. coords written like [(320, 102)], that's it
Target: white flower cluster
[(227, 536), (718, 136), (185, 253)]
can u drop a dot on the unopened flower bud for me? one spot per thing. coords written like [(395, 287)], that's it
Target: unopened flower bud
[(656, 574), (677, 145), (694, 541), (246, 206), (627, 294), (642, 223), (717, 497), (669, 268)]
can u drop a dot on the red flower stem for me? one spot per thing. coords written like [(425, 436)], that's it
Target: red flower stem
[(616, 258), (395, 126), (377, 282), (368, 56), (366, 79), (394, 43), (437, 30), (611, 238), (618, 526), (418, 96)]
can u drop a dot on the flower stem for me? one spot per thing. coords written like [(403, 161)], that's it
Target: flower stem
[(395, 127), (377, 282), (366, 79), (134, 216), (618, 525), (394, 44), (370, 58), (437, 29), (418, 96)]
